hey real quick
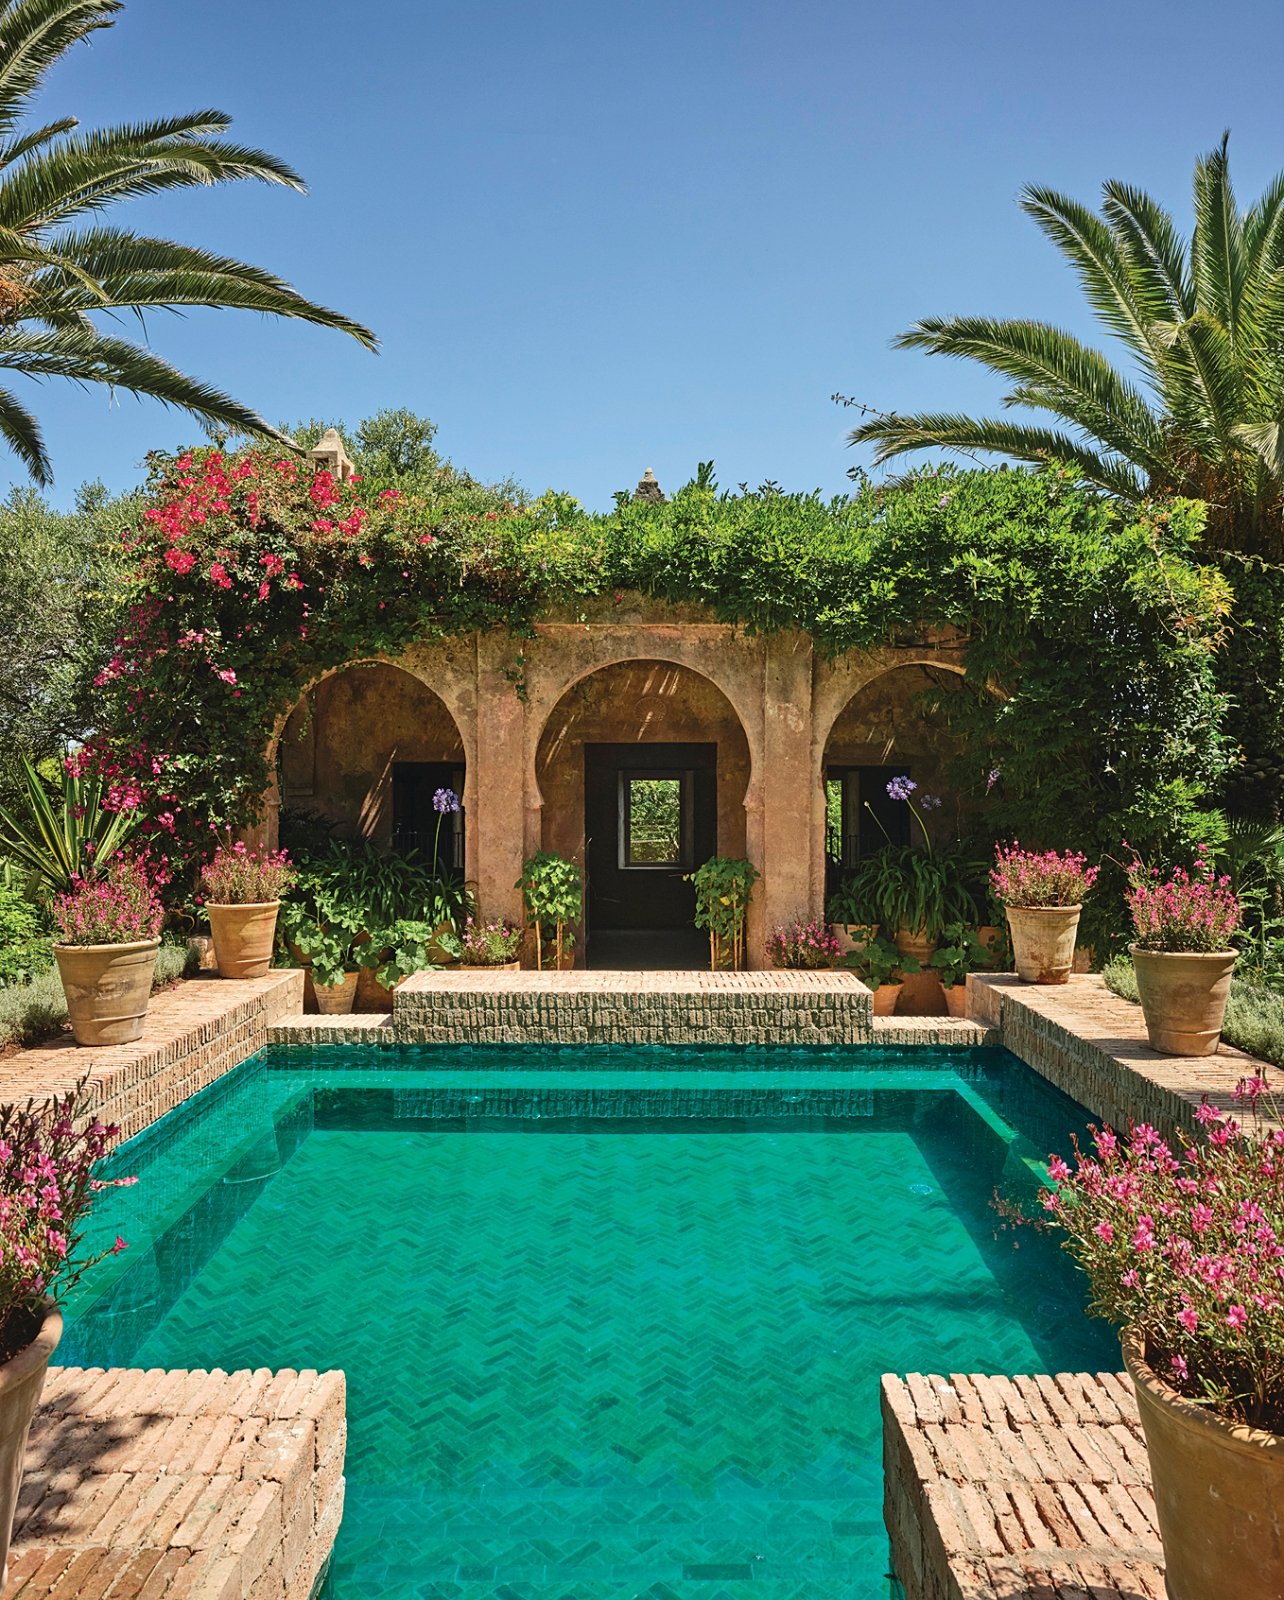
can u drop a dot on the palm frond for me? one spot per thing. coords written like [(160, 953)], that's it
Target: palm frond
[(896, 435), (1154, 250), (21, 432), (35, 34), (1217, 244)]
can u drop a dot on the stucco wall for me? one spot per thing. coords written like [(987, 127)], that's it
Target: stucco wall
[(337, 752), (638, 702)]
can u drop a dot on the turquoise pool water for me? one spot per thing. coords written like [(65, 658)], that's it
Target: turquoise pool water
[(613, 1321)]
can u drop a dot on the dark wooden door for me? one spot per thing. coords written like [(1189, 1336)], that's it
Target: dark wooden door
[(437, 838), (650, 817)]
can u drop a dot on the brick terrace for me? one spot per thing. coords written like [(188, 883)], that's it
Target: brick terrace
[(180, 1486), (1019, 1489)]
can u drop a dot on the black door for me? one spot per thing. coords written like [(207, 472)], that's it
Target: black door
[(861, 817), (650, 816), (436, 837)]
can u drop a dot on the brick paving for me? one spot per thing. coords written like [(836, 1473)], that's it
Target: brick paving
[(1092, 1044), (195, 1033), (826, 1007), (180, 1486), (1031, 1488)]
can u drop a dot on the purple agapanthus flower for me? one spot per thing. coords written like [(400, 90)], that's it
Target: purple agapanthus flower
[(901, 788), (992, 779), (930, 802), (445, 800)]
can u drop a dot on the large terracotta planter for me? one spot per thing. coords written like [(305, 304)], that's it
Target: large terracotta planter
[(1183, 998), (915, 942), (336, 999), (1043, 942), (1219, 1493), (243, 937), (21, 1381), (882, 1001), (108, 989)]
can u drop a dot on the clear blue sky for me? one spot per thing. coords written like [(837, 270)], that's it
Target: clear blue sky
[(597, 236)]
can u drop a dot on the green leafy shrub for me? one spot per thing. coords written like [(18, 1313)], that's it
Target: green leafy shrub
[(553, 894), (723, 886), (24, 946)]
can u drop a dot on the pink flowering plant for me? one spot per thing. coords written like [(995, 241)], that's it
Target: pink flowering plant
[(492, 943), (1185, 1247), (48, 1153), (120, 906), (241, 876), (1035, 878), (800, 944), (1187, 911)]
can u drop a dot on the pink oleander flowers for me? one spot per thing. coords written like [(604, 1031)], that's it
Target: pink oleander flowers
[(1026, 878), (120, 906), (1186, 1248), (801, 944), (1191, 911), (47, 1158), (241, 876)]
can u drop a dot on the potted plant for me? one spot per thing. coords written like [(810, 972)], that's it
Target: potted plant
[(1041, 893), (496, 944), (723, 886), (849, 918), (108, 933), (386, 957), (914, 890), (47, 1158), (242, 891), (803, 946), (959, 952), (1182, 1252), (1182, 954), (881, 968), (327, 933), (553, 894)]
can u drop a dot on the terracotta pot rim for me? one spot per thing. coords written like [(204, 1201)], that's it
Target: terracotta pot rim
[(36, 1354), (1185, 955), (1232, 1435), (119, 949), (1040, 910), (242, 905)]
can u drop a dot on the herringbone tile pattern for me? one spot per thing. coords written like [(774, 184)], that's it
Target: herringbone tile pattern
[(622, 1363)]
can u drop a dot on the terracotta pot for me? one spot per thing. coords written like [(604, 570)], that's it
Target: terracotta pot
[(883, 999), (371, 994), (243, 938), (108, 989), (21, 1381), (336, 999), (1183, 997), (915, 942), (1219, 1493), (1043, 941), (955, 999)]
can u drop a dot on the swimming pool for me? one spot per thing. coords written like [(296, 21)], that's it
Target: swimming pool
[(613, 1320)]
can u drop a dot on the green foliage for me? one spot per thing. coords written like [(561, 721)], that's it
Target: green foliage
[(879, 962), (56, 843), (903, 886), (958, 953), (553, 894), (723, 887), (24, 942)]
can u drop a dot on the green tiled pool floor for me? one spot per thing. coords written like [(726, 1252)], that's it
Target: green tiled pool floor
[(604, 1356)]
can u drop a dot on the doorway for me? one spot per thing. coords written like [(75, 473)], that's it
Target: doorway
[(650, 817)]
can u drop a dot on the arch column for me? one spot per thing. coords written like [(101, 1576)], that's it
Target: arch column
[(782, 850), (498, 796)]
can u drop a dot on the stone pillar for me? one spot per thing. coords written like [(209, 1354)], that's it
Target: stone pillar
[(496, 783), (786, 790)]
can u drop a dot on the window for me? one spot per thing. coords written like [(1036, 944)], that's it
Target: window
[(655, 819)]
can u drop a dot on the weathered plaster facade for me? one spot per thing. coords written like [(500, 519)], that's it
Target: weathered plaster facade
[(518, 712)]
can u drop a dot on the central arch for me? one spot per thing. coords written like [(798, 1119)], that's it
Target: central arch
[(643, 767)]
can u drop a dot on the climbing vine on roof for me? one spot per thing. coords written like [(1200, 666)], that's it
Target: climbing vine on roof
[(1091, 634)]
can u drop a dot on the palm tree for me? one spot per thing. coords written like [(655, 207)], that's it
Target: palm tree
[(60, 265), (1202, 321)]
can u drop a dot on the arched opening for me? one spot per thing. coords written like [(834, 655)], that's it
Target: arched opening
[(362, 756), (891, 727), (643, 767)]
